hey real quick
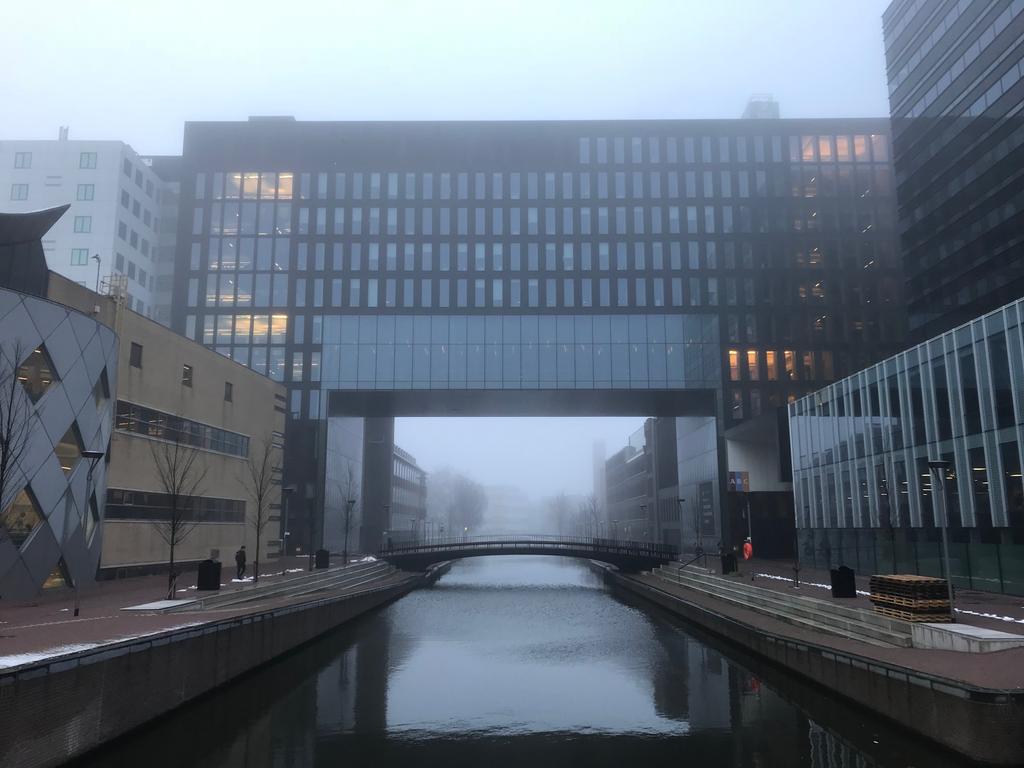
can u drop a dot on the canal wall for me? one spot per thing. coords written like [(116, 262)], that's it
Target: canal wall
[(60, 708), (983, 724)]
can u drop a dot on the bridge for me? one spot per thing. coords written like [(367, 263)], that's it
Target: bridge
[(628, 556)]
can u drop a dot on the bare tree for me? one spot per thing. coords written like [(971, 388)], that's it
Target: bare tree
[(180, 470), (589, 513), (15, 425), (348, 491), (260, 474)]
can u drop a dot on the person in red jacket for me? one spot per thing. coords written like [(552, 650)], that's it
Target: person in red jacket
[(748, 549)]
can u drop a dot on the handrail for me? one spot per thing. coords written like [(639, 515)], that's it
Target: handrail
[(602, 545)]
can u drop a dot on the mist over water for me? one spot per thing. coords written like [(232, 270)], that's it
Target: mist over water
[(511, 661)]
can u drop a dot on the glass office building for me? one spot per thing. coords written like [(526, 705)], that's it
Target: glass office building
[(861, 447), (956, 83), (752, 259)]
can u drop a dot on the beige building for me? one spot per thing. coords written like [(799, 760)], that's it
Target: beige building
[(167, 386)]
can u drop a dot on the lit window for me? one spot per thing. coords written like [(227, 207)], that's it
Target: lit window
[(734, 365)]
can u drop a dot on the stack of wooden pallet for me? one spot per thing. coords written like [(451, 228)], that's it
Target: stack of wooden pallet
[(911, 598)]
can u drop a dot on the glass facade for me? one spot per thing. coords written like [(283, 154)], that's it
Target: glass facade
[(520, 351), (956, 82), (861, 447), (529, 255)]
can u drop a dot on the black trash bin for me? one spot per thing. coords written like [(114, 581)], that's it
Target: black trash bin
[(728, 563), (208, 576), (323, 558), (843, 582)]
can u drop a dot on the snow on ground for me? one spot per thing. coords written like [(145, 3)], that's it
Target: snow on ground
[(965, 611), (17, 659), (367, 559)]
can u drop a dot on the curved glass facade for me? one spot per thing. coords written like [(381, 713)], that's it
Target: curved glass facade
[(861, 448)]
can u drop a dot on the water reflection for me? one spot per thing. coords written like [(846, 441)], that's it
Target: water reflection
[(512, 661)]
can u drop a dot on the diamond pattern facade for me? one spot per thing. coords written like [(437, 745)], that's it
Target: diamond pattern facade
[(51, 509)]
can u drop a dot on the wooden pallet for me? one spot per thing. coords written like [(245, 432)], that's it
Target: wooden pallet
[(936, 604), (915, 616)]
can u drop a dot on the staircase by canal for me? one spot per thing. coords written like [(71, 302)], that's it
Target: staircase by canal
[(807, 612)]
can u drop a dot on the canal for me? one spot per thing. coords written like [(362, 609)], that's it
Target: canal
[(513, 661)]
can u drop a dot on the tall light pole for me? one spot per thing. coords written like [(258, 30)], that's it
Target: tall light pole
[(679, 503), (643, 513), (93, 457), (286, 492), (349, 506), (939, 468), (97, 259)]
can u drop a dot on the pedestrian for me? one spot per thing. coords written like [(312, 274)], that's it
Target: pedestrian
[(240, 562), (748, 549)]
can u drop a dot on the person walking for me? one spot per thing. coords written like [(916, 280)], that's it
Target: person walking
[(240, 562), (748, 549)]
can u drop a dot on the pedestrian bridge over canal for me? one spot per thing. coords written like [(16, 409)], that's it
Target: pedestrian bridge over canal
[(628, 556)]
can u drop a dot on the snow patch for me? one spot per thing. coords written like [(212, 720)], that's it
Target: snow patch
[(17, 659), (367, 559)]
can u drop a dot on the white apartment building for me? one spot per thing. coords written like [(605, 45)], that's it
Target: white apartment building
[(115, 209)]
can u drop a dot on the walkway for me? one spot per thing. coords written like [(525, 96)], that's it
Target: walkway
[(999, 670), (48, 627)]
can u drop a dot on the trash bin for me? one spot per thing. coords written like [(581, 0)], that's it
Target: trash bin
[(208, 576), (323, 558), (843, 582), (728, 563)]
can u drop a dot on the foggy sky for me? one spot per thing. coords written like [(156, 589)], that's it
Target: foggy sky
[(135, 71), (540, 455)]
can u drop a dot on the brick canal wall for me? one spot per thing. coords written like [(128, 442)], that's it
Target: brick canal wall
[(61, 708), (986, 725)]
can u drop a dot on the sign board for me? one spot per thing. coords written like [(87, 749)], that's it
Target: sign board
[(739, 482), (706, 495)]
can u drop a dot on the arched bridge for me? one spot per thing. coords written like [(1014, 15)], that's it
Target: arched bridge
[(629, 556)]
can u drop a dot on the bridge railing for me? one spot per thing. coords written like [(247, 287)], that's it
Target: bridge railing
[(591, 543)]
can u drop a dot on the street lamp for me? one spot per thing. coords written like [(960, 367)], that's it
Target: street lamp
[(939, 468), (349, 506), (93, 457), (97, 259), (679, 503), (286, 492), (643, 515)]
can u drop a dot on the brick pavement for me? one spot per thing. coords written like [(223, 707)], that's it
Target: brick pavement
[(1002, 670), (47, 625)]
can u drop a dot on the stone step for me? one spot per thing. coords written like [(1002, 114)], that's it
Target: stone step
[(805, 612), (299, 585), (849, 612)]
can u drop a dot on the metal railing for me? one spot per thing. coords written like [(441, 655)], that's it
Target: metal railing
[(575, 543)]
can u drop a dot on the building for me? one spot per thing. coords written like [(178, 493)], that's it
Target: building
[(861, 447), (115, 211), (708, 271), (955, 70), (173, 392), (58, 382), (628, 481), (408, 497), (168, 168)]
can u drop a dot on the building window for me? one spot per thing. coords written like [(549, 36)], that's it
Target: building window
[(19, 191), (165, 426), (85, 192), (135, 356), (22, 159), (83, 224), (228, 392), (87, 160), (79, 257), (186, 375)]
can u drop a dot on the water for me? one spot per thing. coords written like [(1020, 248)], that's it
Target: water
[(518, 661)]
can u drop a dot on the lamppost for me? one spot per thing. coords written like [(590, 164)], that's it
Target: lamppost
[(387, 522), (643, 516), (97, 259), (286, 492), (349, 506), (93, 457), (679, 503), (939, 468)]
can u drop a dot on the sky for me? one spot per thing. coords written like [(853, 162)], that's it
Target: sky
[(136, 70), (541, 455)]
